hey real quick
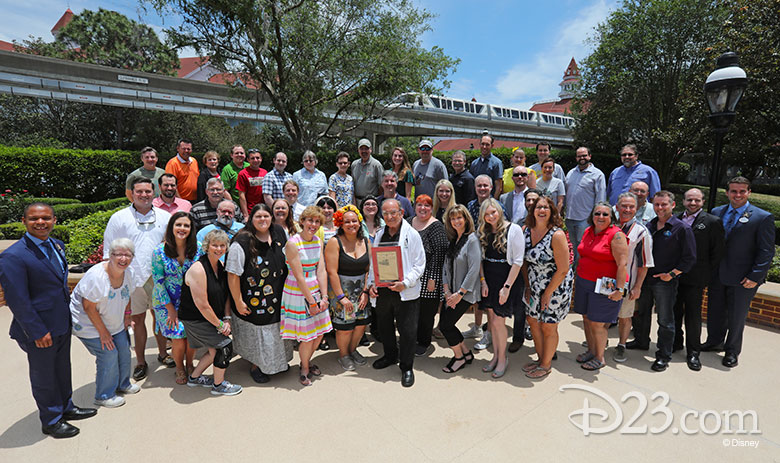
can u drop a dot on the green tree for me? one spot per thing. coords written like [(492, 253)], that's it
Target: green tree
[(752, 32), (643, 81), (110, 39), (325, 66)]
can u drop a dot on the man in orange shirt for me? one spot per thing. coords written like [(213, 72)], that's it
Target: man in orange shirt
[(185, 168)]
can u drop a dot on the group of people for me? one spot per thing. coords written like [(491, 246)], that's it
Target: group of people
[(267, 262)]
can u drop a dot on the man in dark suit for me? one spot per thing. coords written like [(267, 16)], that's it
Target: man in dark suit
[(34, 276), (710, 244), (750, 247)]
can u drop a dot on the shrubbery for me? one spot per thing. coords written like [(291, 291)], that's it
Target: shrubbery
[(15, 231), (69, 212), (86, 234)]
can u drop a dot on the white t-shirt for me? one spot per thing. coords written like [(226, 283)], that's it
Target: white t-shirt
[(95, 286)]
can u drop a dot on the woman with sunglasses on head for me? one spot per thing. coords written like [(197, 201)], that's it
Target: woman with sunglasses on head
[(170, 261), (443, 197), (603, 254), (341, 186), (548, 281), (503, 249), (311, 181), (460, 281), (400, 164), (517, 159), (256, 273)]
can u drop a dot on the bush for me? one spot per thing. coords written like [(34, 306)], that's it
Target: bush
[(68, 212), (86, 235), (15, 231), (774, 270)]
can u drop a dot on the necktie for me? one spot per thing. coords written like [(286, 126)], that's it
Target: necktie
[(728, 223), (52, 257)]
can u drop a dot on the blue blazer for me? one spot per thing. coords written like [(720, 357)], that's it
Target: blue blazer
[(36, 292), (750, 246)]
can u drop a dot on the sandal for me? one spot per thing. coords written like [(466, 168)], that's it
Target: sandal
[(449, 369), (489, 367), (529, 367), (314, 370), (166, 360), (593, 364), (181, 377), (469, 356), (499, 373), (538, 372), (585, 357), (304, 380)]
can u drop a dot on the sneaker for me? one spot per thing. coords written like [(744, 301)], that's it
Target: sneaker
[(358, 358), (202, 381), (528, 336), (423, 351), (474, 332), (113, 402), (346, 363), (619, 354), (226, 388), (132, 389), (483, 343)]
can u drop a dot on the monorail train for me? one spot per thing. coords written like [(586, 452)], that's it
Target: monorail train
[(481, 110)]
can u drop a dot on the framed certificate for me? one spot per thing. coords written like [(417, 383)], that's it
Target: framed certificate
[(388, 267)]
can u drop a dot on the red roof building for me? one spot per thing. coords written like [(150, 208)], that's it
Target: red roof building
[(66, 18), (6, 46), (569, 84)]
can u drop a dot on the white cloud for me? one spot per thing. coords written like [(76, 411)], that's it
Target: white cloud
[(538, 78)]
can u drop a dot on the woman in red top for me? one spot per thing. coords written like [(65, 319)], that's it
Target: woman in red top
[(603, 253)]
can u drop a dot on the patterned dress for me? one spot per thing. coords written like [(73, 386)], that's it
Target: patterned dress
[(168, 277), (435, 243), (541, 268), (296, 323)]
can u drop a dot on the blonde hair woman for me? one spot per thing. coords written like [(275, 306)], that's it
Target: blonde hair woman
[(443, 197)]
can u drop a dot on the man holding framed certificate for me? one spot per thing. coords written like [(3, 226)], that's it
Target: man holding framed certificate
[(397, 262)]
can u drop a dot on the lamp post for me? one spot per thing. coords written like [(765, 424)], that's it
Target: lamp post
[(723, 89)]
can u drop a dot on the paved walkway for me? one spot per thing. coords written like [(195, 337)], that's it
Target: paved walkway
[(367, 416)]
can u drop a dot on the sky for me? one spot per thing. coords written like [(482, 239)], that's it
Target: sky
[(512, 52)]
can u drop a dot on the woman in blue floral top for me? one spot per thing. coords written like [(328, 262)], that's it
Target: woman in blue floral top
[(340, 185), (170, 261)]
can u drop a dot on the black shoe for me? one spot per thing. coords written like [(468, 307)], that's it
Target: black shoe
[(730, 360), (79, 414), (324, 344), (364, 341), (407, 378), (383, 362), (709, 347), (469, 356), (660, 365), (528, 336), (60, 430), (633, 345), (515, 346), (258, 376), (140, 372), (555, 356), (693, 362)]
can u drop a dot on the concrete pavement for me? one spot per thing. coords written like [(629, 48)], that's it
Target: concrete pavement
[(367, 416)]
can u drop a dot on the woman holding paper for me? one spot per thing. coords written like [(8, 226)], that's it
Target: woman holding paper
[(603, 256), (548, 281)]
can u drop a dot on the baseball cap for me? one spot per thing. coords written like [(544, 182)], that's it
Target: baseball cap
[(364, 142), (427, 143)]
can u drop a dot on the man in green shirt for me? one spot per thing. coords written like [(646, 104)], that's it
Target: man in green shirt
[(230, 172), (148, 170)]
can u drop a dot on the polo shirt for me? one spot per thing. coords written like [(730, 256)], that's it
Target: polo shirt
[(367, 177), (177, 205), (463, 184), (250, 181), (186, 174), (674, 247), (621, 178), (229, 176)]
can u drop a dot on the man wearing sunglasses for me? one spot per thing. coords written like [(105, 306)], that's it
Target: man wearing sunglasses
[(514, 201), (428, 170), (632, 170)]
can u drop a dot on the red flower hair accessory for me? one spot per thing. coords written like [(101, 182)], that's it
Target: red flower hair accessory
[(338, 216)]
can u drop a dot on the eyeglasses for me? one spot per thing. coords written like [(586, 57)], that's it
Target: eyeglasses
[(625, 155), (215, 190), (121, 254), (253, 150), (521, 174), (601, 214), (540, 208), (425, 148), (391, 213), (308, 160)]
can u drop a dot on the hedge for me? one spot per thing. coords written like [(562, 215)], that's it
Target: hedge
[(12, 204), (15, 231), (86, 234), (68, 212)]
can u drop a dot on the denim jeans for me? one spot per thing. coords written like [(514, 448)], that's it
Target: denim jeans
[(576, 228), (113, 366), (663, 295)]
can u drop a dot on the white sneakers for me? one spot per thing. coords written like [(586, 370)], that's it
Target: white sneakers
[(113, 402)]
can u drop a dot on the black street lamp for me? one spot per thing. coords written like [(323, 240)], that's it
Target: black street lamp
[(724, 88)]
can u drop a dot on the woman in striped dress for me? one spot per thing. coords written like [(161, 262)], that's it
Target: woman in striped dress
[(305, 316)]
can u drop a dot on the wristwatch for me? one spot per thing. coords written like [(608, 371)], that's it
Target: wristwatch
[(461, 293), (673, 275)]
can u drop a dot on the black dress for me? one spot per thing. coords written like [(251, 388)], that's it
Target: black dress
[(496, 269)]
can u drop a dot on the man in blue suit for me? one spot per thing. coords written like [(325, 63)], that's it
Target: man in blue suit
[(34, 276), (750, 247)]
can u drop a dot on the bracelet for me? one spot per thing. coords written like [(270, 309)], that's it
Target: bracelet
[(481, 278), (506, 286), (227, 317), (340, 297), (127, 312), (221, 326)]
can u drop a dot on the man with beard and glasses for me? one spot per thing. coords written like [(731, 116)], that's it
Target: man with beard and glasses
[(205, 212), (225, 221)]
